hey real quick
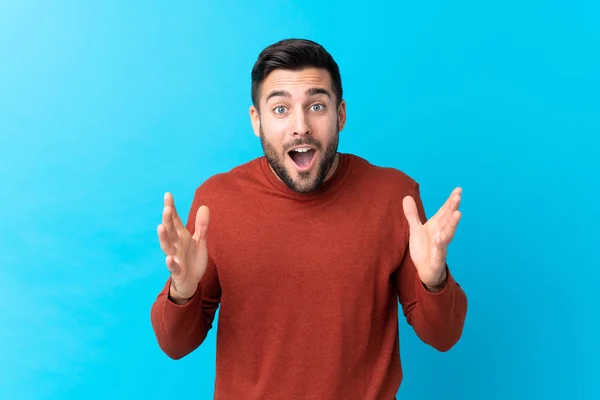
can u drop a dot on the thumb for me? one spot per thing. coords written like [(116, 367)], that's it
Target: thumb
[(201, 227), (410, 212)]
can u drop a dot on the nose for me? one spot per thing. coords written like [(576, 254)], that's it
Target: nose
[(301, 127)]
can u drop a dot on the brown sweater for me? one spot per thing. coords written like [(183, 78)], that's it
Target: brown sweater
[(308, 285)]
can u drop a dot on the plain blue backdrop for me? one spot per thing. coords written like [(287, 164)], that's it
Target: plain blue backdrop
[(104, 106)]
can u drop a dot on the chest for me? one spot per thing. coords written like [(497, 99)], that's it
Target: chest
[(301, 255)]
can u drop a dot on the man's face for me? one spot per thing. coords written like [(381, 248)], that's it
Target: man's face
[(299, 126)]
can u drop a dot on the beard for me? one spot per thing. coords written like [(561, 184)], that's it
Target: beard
[(307, 181)]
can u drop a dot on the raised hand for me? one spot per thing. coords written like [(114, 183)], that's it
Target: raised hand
[(428, 243), (186, 255)]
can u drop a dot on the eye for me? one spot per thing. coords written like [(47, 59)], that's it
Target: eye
[(279, 110), (318, 107)]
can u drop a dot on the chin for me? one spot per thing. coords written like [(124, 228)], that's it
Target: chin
[(305, 170), (304, 181)]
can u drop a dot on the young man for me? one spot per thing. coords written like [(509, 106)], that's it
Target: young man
[(308, 253)]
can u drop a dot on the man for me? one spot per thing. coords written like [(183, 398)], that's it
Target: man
[(308, 253)]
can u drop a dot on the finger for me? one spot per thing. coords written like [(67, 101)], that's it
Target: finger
[(165, 242), (170, 203), (168, 200), (410, 212), (201, 227), (448, 231), (172, 265), (450, 205), (451, 200), (179, 225), (167, 221)]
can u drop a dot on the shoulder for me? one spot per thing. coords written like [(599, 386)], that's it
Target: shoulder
[(383, 177), (226, 184)]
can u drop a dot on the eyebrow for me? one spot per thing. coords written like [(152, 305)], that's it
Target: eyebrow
[(309, 92)]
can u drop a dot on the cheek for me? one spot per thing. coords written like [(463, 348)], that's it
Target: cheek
[(275, 134), (277, 126), (325, 128)]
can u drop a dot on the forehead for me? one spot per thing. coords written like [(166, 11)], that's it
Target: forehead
[(296, 82)]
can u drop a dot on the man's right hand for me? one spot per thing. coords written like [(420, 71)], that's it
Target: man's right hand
[(186, 255)]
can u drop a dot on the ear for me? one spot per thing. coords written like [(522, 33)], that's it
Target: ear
[(341, 114), (255, 120)]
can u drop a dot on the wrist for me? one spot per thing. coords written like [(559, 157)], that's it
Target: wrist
[(439, 285), (180, 301), (177, 297)]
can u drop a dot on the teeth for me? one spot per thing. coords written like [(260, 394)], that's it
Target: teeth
[(302, 149)]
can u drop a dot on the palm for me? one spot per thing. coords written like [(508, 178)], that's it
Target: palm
[(428, 242), (186, 255)]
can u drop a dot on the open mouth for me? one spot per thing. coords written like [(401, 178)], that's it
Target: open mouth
[(303, 157)]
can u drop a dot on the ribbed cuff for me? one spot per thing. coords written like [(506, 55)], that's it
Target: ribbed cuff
[(173, 312)]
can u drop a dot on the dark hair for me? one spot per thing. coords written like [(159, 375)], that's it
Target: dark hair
[(294, 55)]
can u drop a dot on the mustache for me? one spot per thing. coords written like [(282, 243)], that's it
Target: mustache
[(308, 141)]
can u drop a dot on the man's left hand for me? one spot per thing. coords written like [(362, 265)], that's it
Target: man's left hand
[(428, 242)]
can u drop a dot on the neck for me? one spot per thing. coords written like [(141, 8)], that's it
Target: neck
[(333, 167)]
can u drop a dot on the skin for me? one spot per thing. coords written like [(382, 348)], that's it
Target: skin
[(428, 243), (299, 107), (303, 110)]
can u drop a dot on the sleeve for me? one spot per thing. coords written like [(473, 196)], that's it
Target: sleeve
[(437, 317), (180, 329)]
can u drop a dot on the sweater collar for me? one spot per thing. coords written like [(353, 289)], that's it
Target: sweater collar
[(326, 189)]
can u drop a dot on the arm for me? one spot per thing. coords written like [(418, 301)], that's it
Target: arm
[(181, 328), (436, 317), (437, 314)]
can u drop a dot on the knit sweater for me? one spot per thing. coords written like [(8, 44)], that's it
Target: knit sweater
[(308, 286)]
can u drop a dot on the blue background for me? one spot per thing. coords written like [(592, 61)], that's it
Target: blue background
[(104, 106)]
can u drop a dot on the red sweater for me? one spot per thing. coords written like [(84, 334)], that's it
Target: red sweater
[(308, 286)]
